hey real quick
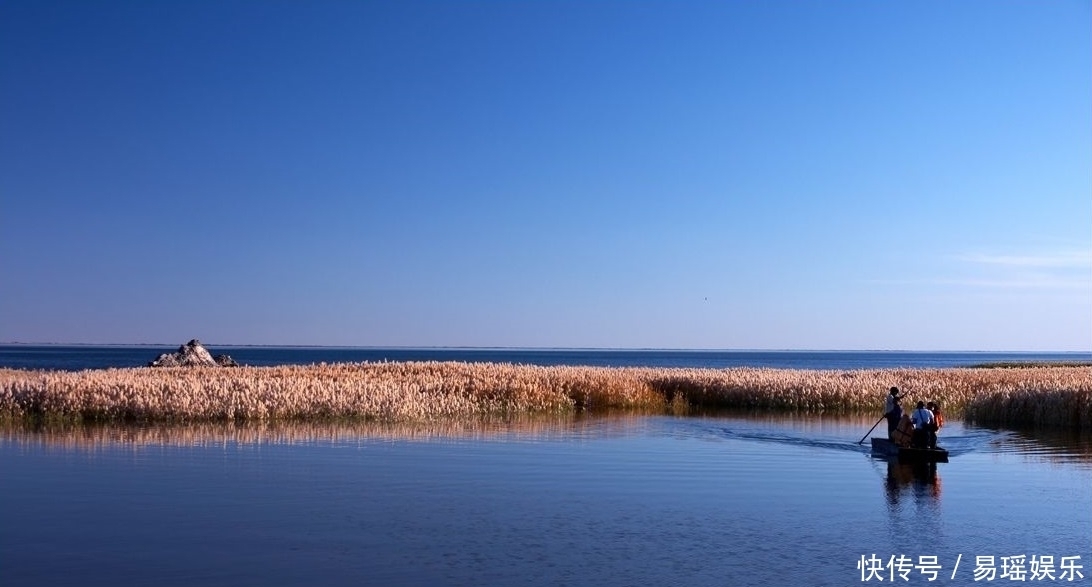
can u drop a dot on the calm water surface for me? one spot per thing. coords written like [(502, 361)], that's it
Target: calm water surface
[(103, 357), (623, 500)]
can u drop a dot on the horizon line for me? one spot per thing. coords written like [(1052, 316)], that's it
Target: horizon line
[(541, 348)]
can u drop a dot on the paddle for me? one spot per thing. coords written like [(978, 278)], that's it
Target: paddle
[(872, 428)]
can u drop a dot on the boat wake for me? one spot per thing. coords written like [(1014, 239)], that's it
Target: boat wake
[(956, 444), (792, 440), (836, 435)]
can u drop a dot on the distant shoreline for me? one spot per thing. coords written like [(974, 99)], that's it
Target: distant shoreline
[(1019, 364), (541, 348)]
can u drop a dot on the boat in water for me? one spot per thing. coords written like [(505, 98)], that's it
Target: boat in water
[(885, 448)]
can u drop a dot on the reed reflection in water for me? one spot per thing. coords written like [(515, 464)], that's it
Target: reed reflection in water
[(530, 427), (831, 431)]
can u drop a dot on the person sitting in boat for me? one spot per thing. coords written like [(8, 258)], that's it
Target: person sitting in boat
[(892, 410), (923, 420), (904, 434)]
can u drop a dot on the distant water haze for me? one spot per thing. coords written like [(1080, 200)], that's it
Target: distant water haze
[(101, 357)]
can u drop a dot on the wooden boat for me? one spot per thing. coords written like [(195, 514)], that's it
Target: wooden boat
[(886, 448)]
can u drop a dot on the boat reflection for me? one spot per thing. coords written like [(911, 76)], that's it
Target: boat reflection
[(917, 480)]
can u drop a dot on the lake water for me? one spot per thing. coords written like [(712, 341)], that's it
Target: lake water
[(102, 357), (613, 500)]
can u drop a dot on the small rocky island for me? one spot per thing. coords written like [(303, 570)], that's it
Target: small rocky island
[(193, 354)]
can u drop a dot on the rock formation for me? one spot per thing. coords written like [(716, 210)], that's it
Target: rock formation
[(193, 354)]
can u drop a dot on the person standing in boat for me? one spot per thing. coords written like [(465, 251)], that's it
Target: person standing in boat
[(892, 410), (938, 423), (923, 421)]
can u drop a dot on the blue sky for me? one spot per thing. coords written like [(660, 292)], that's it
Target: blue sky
[(729, 175)]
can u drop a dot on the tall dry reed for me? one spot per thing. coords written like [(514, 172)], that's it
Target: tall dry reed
[(1042, 396)]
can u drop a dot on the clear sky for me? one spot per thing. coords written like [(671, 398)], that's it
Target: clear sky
[(730, 174)]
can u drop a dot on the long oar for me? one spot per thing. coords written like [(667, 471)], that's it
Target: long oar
[(872, 428)]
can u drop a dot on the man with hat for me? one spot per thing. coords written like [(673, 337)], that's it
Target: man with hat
[(892, 410)]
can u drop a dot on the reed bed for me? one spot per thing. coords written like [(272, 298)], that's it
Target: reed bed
[(428, 391)]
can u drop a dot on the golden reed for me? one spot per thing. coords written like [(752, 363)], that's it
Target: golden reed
[(1044, 396)]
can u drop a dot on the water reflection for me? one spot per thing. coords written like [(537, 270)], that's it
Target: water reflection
[(618, 500), (1058, 446), (917, 481), (829, 432), (204, 434)]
